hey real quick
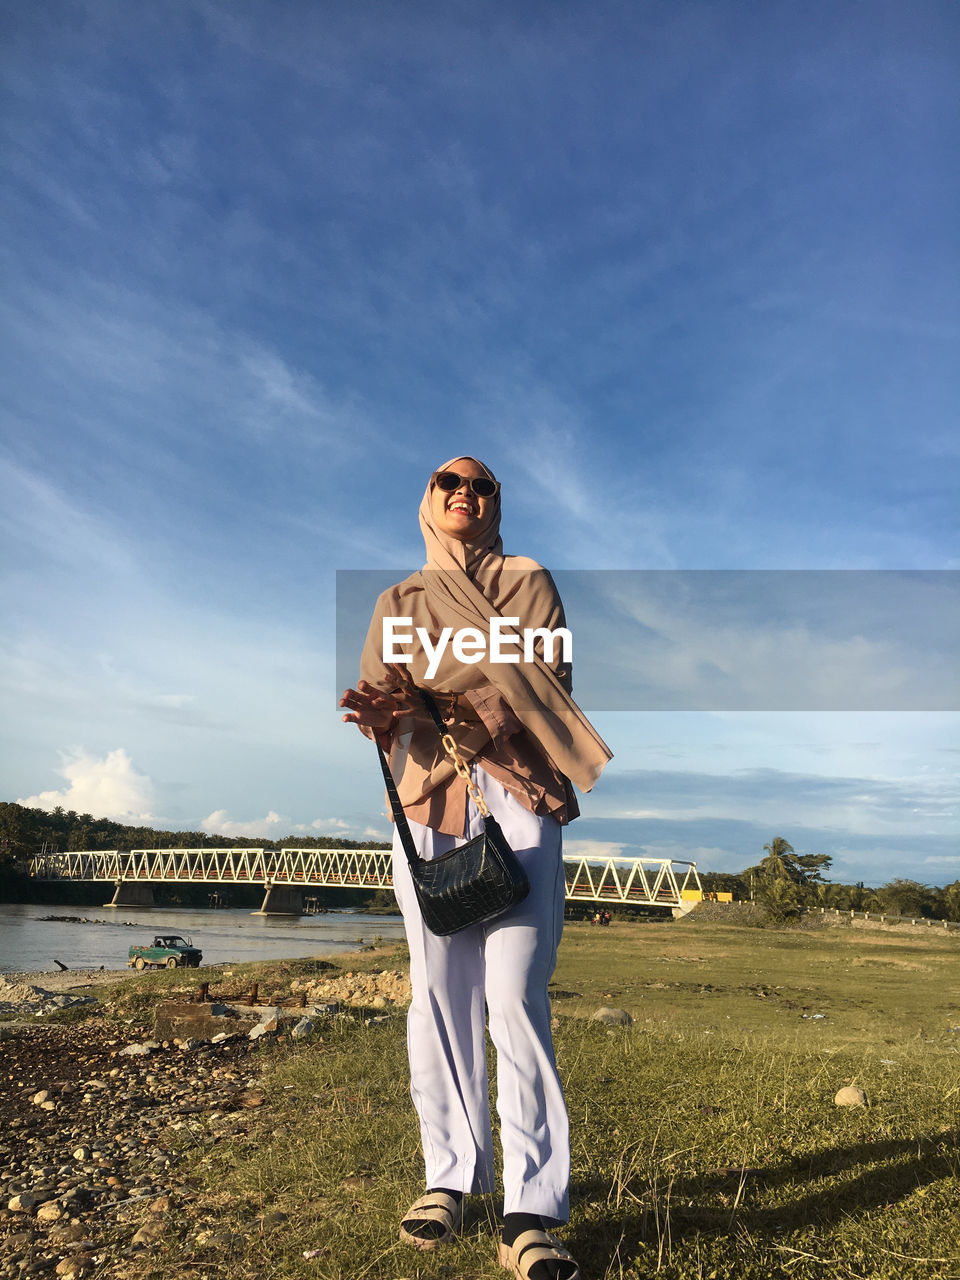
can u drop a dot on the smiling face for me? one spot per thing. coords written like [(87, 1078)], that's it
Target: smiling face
[(461, 514)]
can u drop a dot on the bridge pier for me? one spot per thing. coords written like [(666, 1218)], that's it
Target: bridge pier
[(130, 894), (683, 909), (281, 900)]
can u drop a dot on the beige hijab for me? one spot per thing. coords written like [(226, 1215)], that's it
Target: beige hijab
[(465, 584)]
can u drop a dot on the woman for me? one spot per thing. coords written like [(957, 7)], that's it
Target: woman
[(525, 739)]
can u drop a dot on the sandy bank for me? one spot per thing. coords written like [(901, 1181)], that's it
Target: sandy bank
[(61, 982)]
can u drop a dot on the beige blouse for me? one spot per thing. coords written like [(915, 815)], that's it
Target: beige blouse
[(485, 729)]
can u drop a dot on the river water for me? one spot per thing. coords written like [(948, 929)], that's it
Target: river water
[(30, 944)]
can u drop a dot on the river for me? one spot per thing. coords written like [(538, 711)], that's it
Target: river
[(30, 944)]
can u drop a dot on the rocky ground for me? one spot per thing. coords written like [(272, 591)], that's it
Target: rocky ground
[(90, 1140), (96, 1123), (368, 990)]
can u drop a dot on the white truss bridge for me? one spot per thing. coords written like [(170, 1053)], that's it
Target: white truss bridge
[(286, 873)]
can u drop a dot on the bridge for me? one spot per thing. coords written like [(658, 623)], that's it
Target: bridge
[(285, 875)]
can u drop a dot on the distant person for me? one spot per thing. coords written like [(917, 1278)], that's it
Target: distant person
[(525, 739)]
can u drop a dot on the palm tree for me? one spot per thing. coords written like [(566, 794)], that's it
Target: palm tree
[(836, 897), (777, 862), (782, 898), (951, 900), (871, 901)]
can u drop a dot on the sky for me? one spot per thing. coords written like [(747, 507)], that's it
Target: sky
[(684, 276)]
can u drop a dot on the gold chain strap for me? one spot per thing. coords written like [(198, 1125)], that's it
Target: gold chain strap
[(474, 792)]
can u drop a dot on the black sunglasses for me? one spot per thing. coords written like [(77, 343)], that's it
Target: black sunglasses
[(482, 486)]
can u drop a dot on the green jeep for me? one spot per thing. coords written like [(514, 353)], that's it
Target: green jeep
[(167, 951)]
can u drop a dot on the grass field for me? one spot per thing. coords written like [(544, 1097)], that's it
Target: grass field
[(706, 1142)]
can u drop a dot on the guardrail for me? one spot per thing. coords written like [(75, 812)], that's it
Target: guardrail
[(884, 917)]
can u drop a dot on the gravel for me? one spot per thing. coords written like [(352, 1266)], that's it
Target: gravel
[(90, 1140)]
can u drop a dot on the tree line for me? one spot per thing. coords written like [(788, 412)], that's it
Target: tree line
[(787, 884), (784, 882), (26, 833)]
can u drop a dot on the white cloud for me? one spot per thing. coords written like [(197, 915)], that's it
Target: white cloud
[(340, 827), (656, 814), (218, 824), (772, 641), (36, 513), (703, 855), (549, 442), (276, 825), (106, 788), (592, 849), (173, 700), (349, 830)]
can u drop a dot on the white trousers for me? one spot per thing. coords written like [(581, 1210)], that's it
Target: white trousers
[(507, 964)]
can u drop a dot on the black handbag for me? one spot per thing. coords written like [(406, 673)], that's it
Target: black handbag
[(472, 884)]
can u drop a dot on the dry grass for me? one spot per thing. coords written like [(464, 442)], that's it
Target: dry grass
[(706, 1141)]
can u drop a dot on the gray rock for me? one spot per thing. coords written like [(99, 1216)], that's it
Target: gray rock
[(271, 1220), (78, 1265), (72, 1233), (270, 1019), (613, 1017), (23, 1202), (225, 1241), (135, 1051), (851, 1096), (303, 1028), (150, 1232)]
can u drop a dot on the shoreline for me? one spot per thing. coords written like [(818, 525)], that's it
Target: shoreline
[(61, 980)]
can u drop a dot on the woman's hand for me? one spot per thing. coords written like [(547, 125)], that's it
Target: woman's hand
[(371, 708)]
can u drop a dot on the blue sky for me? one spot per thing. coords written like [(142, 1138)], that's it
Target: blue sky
[(684, 275)]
